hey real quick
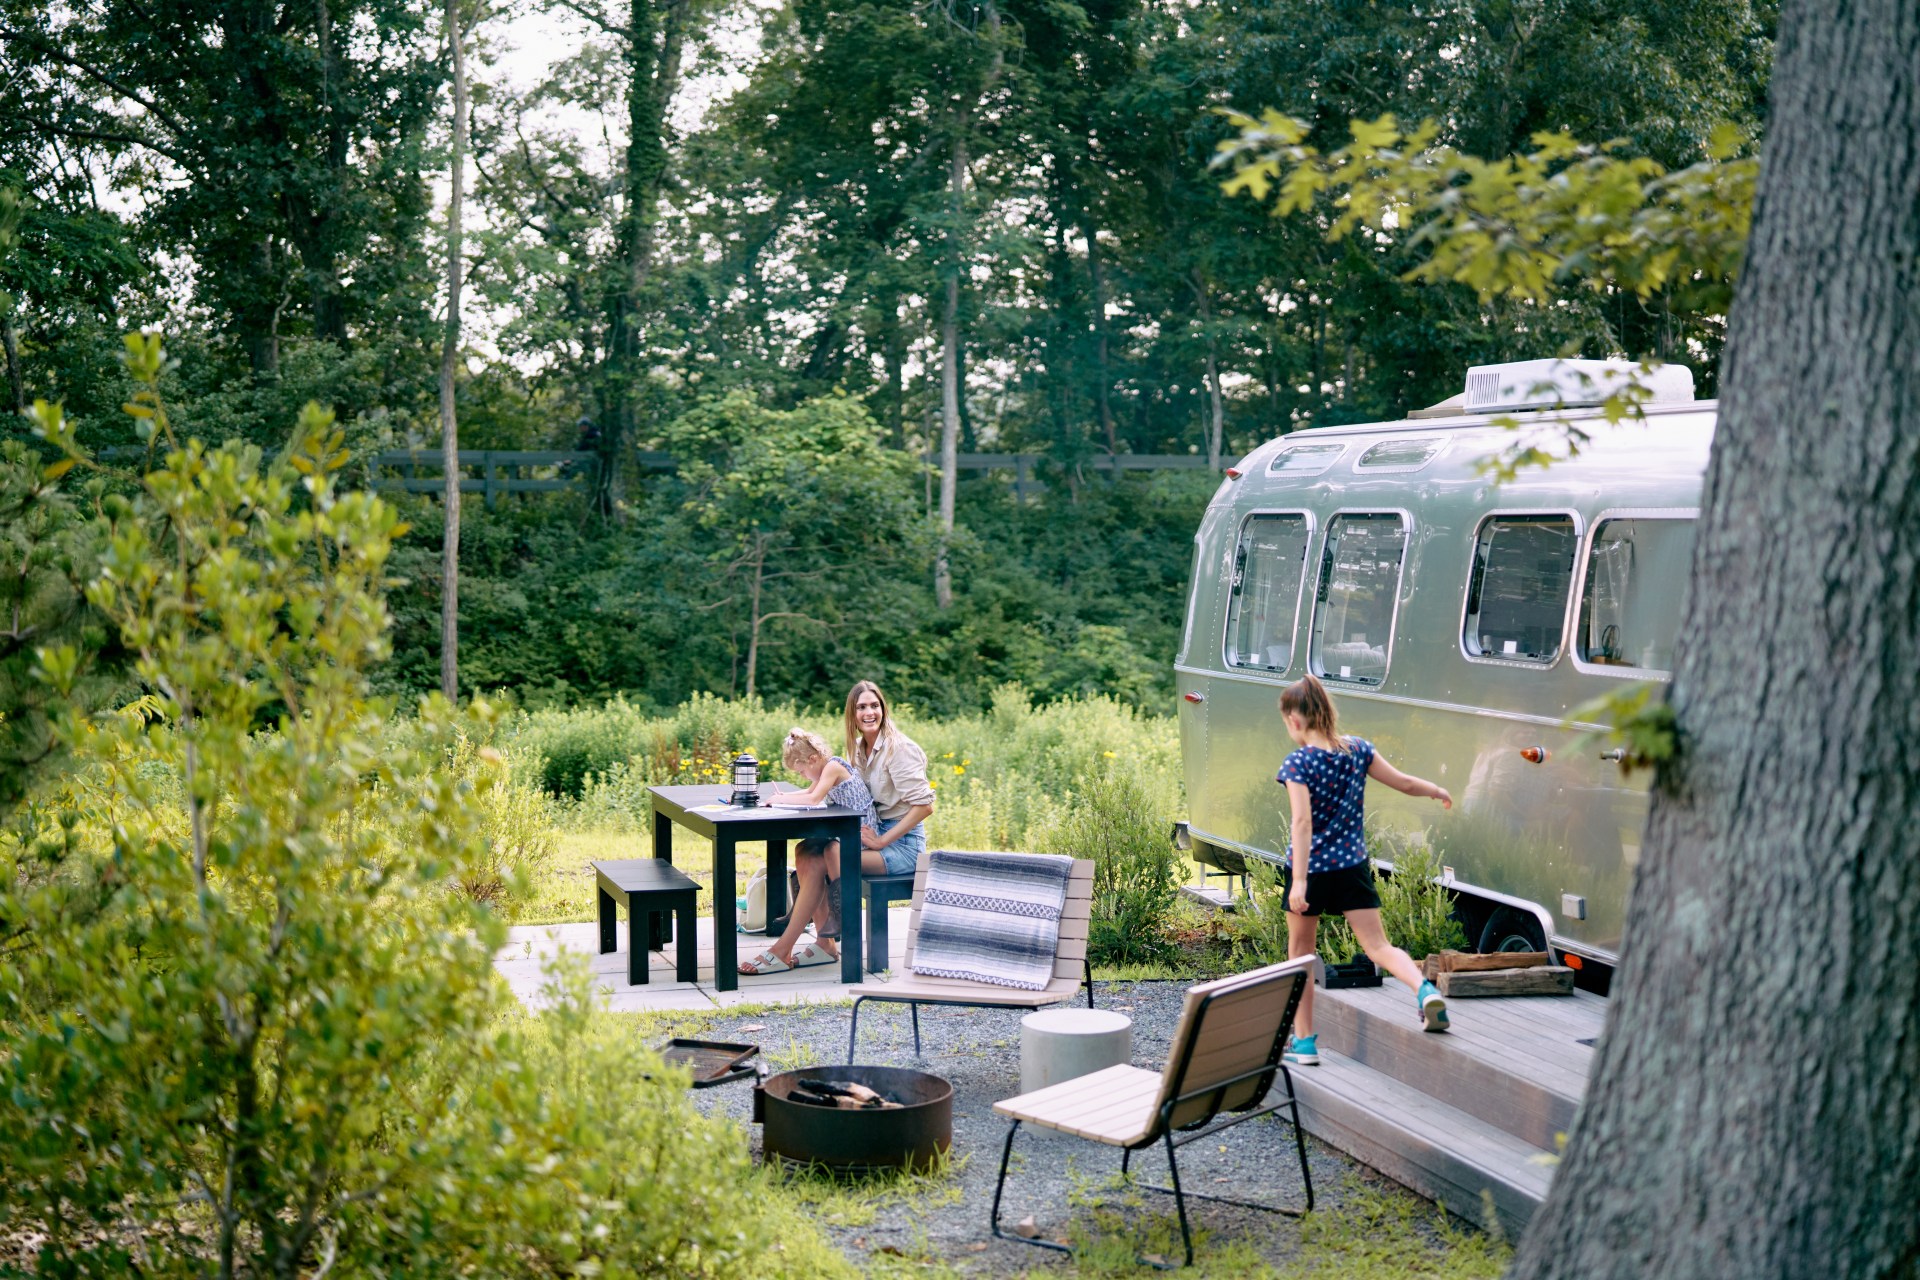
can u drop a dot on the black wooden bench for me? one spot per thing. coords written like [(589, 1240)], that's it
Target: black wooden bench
[(879, 891), (650, 888)]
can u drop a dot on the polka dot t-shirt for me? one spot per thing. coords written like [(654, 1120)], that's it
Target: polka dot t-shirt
[(1336, 783)]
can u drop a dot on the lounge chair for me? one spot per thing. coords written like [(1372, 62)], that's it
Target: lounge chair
[(1070, 965), (1226, 1056)]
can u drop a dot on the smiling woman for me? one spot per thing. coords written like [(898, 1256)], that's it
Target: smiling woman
[(895, 769)]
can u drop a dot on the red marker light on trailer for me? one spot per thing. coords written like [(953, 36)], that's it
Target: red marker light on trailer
[(1194, 697), (1233, 473), (1572, 961)]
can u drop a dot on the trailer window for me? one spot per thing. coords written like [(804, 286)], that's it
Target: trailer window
[(1636, 577), (1268, 565), (1398, 455), (1305, 459), (1359, 582), (1517, 594)]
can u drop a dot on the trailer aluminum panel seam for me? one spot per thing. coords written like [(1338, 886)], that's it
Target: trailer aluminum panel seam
[(1426, 704)]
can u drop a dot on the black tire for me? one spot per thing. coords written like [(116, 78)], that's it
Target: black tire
[(1511, 930)]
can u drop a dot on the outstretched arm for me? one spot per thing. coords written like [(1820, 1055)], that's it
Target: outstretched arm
[(830, 777), (1301, 802), (1406, 783)]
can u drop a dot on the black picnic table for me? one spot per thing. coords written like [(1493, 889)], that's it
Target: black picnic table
[(705, 811)]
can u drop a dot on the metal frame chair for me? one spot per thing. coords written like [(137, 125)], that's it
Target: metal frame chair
[(1226, 1056), (1071, 967)]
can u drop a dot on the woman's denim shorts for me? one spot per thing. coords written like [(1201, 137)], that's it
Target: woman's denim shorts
[(903, 855)]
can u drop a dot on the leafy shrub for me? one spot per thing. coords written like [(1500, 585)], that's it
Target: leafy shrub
[(567, 1150), (575, 742), (245, 1025), (1112, 819)]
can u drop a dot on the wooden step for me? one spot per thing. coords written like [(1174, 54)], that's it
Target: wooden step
[(1456, 1159), (1518, 1064)]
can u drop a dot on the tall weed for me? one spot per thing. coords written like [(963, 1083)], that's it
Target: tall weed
[(1113, 820), (516, 821), (1415, 910)]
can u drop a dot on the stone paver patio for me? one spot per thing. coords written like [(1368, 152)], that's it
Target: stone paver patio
[(523, 963)]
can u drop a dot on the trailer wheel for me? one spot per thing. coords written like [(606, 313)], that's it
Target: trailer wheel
[(1510, 930)]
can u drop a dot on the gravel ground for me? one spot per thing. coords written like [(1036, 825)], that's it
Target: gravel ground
[(978, 1050)]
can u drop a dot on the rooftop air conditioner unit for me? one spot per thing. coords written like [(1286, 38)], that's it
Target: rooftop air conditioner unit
[(1556, 384)]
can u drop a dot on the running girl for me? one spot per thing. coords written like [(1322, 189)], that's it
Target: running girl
[(1328, 871)]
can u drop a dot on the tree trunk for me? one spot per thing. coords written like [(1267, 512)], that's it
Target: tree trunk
[(1217, 404), (893, 348), (449, 354), (1103, 376), (1755, 1108), (950, 380), (950, 386), (16, 382), (759, 567), (653, 49), (259, 323)]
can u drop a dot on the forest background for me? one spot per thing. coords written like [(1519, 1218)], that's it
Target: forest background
[(794, 246)]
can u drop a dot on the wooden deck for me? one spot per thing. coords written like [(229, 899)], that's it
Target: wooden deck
[(1464, 1118)]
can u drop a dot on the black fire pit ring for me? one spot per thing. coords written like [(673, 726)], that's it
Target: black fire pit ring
[(913, 1135)]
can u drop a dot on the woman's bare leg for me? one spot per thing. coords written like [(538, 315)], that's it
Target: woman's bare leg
[(1373, 939), (813, 878), (1301, 933), (872, 861)]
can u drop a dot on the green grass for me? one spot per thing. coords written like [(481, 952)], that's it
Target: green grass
[(1374, 1235)]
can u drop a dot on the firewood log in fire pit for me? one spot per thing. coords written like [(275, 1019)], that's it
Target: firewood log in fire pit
[(845, 1094)]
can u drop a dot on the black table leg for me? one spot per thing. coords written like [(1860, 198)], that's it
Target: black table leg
[(726, 953), (662, 836), (686, 962), (877, 940), (852, 936), (639, 923), (660, 929), (609, 924), (776, 884)]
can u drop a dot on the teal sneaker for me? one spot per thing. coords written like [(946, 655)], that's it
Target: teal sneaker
[(1433, 1007), (1303, 1051)]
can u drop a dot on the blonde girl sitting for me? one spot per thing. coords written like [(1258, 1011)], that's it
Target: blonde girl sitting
[(833, 782)]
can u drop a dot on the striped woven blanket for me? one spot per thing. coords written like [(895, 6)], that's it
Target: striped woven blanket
[(992, 917)]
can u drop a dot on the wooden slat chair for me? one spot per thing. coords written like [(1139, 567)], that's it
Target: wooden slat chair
[(1226, 1057), (1070, 965)]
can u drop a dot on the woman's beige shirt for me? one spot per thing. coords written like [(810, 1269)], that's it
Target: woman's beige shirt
[(896, 772)]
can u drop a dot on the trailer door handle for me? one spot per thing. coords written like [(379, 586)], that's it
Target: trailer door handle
[(1614, 756), (1195, 697)]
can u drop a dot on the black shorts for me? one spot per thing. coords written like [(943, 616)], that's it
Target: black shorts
[(1336, 892)]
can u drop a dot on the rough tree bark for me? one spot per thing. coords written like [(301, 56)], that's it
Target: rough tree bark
[(652, 45), (449, 354), (1103, 375), (1216, 399), (1755, 1109), (950, 394), (950, 313), (16, 385)]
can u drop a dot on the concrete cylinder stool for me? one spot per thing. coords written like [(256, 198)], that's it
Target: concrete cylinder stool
[(1060, 1044)]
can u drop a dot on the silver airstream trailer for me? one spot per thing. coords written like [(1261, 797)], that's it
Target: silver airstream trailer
[(1458, 622)]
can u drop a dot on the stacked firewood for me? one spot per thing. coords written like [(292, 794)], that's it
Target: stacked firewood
[(1460, 974)]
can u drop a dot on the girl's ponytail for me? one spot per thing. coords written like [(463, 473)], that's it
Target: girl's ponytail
[(1309, 699)]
